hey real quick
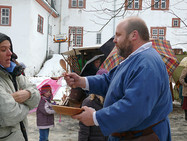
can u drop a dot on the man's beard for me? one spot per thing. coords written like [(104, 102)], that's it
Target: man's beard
[(126, 49)]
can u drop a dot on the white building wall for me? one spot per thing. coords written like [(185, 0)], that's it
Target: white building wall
[(178, 35), (38, 41), (30, 45), (19, 31), (158, 18), (86, 19), (55, 23), (93, 21), (53, 47)]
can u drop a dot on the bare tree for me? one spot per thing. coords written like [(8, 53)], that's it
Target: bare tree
[(119, 9)]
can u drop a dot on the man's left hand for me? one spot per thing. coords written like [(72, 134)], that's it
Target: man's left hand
[(86, 117)]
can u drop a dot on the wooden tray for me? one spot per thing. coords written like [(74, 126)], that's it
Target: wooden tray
[(65, 110)]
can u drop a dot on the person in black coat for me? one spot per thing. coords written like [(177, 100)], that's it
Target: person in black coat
[(92, 133)]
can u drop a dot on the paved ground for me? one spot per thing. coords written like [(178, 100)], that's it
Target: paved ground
[(67, 129), (178, 124)]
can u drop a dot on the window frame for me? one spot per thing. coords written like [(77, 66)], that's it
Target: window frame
[(173, 24), (160, 4), (163, 2), (40, 24), (80, 6), (133, 2), (158, 35), (98, 38), (77, 36), (77, 4), (9, 15)]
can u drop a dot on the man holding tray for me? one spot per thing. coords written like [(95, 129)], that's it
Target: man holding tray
[(137, 93)]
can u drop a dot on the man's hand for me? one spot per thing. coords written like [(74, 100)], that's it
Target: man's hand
[(74, 80), (21, 96), (86, 117)]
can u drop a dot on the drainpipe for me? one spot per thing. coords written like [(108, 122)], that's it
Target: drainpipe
[(60, 24), (47, 51), (52, 11), (114, 21)]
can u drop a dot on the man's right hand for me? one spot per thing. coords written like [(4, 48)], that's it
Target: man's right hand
[(74, 80)]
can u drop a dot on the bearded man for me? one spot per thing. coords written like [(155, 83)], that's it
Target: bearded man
[(137, 94)]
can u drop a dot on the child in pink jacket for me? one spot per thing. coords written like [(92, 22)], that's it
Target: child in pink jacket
[(45, 113)]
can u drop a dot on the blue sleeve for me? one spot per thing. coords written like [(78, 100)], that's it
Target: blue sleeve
[(139, 104), (99, 84)]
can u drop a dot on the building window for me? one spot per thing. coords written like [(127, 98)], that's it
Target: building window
[(98, 38), (158, 33), (77, 3), (77, 33), (5, 15), (163, 4), (175, 22), (74, 3), (40, 24), (156, 4), (80, 4), (133, 4), (159, 4)]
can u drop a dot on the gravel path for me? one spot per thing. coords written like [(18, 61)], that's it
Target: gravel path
[(67, 129), (178, 124)]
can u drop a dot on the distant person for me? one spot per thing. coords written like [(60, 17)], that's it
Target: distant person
[(17, 95), (92, 133), (183, 81), (137, 92), (180, 94), (23, 68), (179, 88), (45, 113), (92, 68), (77, 95)]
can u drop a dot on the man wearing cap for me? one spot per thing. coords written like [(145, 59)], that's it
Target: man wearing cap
[(17, 95)]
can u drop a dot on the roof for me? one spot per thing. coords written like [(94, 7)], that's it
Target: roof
[(77, 50)]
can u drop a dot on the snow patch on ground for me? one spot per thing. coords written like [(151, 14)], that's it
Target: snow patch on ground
[(52, 67)]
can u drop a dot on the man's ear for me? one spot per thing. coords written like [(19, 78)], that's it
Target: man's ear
[(134, 35)]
